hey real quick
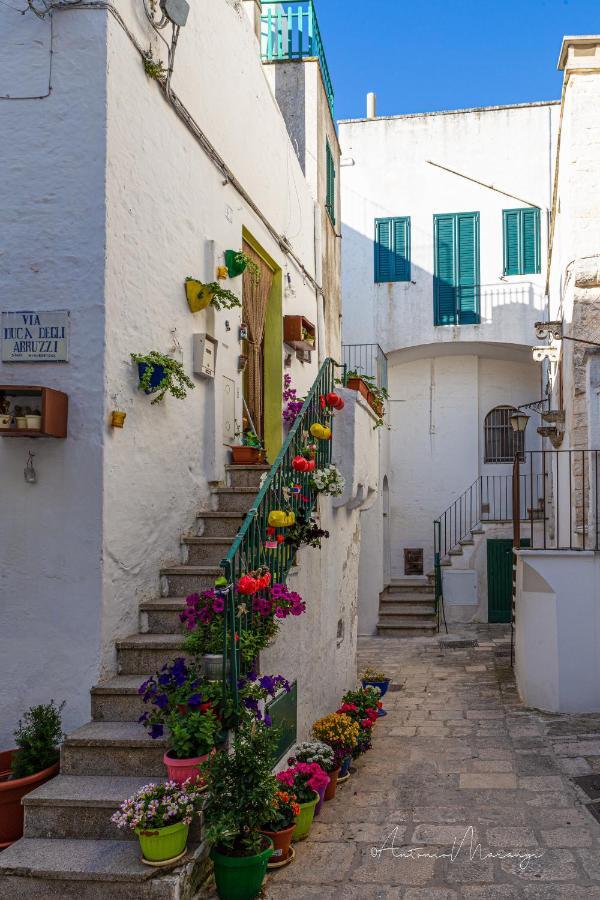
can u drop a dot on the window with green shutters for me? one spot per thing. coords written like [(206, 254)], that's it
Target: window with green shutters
[(521, 241), (392, 249), (456, 269), (330, 198)]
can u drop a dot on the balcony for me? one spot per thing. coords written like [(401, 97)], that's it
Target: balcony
[(291, 31)]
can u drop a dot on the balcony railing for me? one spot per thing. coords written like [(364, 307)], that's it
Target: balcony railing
[(366, 359), (291, 31)]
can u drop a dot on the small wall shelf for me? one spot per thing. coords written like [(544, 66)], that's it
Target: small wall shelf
[(53, 405), (299, 333)]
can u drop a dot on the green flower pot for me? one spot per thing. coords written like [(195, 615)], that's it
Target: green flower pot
[(305, 819), (160, 845), (240, 877)]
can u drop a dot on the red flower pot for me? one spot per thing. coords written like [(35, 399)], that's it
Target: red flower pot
[(300, 464), (179, 770), (282, 841), (331, 787), (11, 794)]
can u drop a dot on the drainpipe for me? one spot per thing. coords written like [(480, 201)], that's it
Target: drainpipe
[(321, 340)]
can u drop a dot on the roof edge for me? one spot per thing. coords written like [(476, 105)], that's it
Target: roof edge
[(453, 112)]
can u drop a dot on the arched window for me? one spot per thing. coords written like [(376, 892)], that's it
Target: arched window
[(501, 441)]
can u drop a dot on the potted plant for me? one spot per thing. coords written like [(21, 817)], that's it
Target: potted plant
[(160, 815), (361, 706), (20, 417), (370, 390), (250, 452), (305, 531), (200, 295), (329, 481), (280, 826), (192, 739), (323, 755), (239, 800), (203, 622), (341, 733), (237, 262), (34, 761), (5, 416), (373, 678), (33, 419), (159, 374), (305, 780)]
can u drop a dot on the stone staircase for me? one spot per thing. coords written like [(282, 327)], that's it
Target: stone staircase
[(407, 609), (70, 848)]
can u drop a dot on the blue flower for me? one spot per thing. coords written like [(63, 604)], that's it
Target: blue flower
[(267, 720), (156, 731), (195, 700), (162, 701)]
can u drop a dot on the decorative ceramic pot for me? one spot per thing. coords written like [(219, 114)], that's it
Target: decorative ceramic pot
[(161, 846), (11, 796)]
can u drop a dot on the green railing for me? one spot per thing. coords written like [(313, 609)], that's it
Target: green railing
[(283, 489), (291, 31)]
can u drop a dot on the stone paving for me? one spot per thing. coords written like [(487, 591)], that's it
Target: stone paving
[(456, 751)]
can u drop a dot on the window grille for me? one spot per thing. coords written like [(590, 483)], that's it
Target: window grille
[(501, 441)]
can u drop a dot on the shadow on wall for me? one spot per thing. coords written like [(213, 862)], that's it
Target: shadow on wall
[(402, 314)]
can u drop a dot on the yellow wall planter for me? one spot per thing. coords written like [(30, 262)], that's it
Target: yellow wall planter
[(321, 432), (279, 518), (197, 295)]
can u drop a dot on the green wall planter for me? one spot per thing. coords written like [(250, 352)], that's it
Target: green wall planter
[(234, 267)]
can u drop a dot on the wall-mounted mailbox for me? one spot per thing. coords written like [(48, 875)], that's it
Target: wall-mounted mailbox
[(205, 355), (33, 411)]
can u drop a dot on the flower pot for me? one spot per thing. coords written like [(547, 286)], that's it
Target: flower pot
[(321, 793), (282, 841), (305, 819), (376, 405), (163, 845), (11, 794), (240, 877), (345, 769), (234, 267), (212, 666), (158, 373), (5, 421), (382, 685), (21, 421), (245, 456), (197, 296), (179, 770), (330, 789), (34, 422), (117, 418), (357, 384)]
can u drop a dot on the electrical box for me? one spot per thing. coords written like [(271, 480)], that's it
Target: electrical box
[(205, 355)]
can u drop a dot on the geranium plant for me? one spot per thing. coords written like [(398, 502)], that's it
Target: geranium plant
[(340, 732), (314, 752), (329, 481), (304, 779), (158, 805), (284, 812), (362, 707)]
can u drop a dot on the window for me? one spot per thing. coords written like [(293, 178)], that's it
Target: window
[(330, 198), (521, 241), (500, 439), (456, 269), (392, 249)]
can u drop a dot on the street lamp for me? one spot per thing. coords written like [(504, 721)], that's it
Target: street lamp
[(518, 421)]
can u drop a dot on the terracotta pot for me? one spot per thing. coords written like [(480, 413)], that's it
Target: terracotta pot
[(330, 789), (282, 841), (376, 405), (179, 770), (245, 456), (11, 795), (357, 384)]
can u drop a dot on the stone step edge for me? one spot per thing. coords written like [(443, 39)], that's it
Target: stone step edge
[(49, 794)]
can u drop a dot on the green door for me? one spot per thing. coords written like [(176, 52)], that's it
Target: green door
[(500, 570)]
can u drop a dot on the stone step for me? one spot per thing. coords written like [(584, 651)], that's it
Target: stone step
[(416, 586), (161, 615), (411, 599), (235, 499), (467, 542), (117, 699), (402, 620), (205, 551), (406, 630), (79, 806), (141, 653), (406, 609), (112, 748), (246, 476), (180, 581), (41, 869), (219, 524), (456, 551)]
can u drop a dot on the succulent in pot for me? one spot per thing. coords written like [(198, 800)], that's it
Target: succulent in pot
[(33, 762)]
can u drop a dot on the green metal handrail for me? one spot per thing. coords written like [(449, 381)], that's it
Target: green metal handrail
[(291, 31), (248, 551)]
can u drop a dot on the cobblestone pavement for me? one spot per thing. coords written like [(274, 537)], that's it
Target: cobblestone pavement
[(456, 750)]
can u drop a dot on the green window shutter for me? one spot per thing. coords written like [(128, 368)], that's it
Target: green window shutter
[(521, 241), (444, 279), (330, 196), (467, 236), (392, 249)]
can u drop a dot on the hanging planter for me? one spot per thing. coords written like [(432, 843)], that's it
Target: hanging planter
[(334, 401), (198, 295), (321, 432), (279, 518), (237, 262), (159, 374)]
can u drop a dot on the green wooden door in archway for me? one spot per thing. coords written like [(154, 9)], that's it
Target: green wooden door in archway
[(499, 577)]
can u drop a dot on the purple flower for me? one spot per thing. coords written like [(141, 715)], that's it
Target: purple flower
[(162, 701), (156, 731), (195, 700), (218, 604)]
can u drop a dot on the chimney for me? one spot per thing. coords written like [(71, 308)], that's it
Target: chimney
[(371, 106)]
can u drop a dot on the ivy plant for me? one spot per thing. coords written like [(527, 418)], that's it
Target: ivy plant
[(174, 381), (221, 298), (253, 269)]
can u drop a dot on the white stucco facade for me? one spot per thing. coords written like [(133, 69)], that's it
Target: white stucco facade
[(445, 379), (109, 202)]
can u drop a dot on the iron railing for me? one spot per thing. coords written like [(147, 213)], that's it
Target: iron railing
[(568, 480), (366, 359), (282, 489), (290, 30)]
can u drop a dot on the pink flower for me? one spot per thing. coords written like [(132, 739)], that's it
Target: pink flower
[(218, 604), (286, 777)]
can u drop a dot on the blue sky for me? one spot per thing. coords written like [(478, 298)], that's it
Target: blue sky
[(447, 54)]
